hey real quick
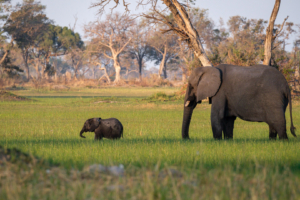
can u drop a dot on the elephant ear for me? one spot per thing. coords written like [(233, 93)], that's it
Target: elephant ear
[(90, 121), (96, 122), (209, 83)]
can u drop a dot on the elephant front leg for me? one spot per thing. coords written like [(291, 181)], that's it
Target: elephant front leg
[(98, 136), (228, 126), (217, 127), (272, 133), (217, 117)]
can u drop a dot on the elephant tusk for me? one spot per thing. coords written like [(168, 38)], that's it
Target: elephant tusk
[(187, 103)]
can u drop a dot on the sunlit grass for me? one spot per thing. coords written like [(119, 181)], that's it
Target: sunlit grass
[(103, 91), (247, 167), (49, 128)]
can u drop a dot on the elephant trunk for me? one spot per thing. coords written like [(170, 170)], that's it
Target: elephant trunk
[(187, 115), (81, 132)]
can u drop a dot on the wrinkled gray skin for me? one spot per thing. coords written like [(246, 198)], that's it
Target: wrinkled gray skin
[(257, 93), (104, 128)]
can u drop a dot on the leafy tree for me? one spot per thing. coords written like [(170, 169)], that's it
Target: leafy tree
[(61, 65), (139, 46), (4, 46), (244, 46), (56, 41), (163, 50), (26, 23), (9, 68)]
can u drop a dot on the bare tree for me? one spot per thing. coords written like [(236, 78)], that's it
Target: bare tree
[(270, 36), (111, 36), (25, 24), (179, 23), (95, 60)]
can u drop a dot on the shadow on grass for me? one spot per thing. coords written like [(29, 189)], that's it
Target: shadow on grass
[(125, 140), (80, 96)]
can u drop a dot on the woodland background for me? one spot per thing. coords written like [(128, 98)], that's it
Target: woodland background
[(120, 49)]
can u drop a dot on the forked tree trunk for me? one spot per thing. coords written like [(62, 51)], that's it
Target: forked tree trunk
[(183, 21), (105, 75), (269, 34)]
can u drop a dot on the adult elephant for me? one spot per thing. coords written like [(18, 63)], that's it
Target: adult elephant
[(258, 93)]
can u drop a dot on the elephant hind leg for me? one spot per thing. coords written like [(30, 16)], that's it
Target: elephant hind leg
[(217, 118), (228, 125), (272, 133), (279, 125), (282, 132)]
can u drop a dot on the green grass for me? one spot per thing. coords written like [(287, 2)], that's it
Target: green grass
[(92, 92), (49, 128)]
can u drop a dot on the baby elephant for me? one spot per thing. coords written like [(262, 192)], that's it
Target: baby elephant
[(104, 128)]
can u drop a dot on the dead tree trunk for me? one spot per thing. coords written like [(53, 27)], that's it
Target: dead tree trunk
[(187, 30), (269, 34)]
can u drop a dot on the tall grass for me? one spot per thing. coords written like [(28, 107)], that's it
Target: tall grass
[(142, 183)]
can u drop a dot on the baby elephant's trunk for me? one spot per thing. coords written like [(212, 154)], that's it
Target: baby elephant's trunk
[(81, 132)]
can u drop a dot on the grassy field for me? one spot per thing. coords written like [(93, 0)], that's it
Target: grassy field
[(248, 167)]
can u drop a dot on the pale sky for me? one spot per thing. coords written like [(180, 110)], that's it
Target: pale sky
[(63, 11)]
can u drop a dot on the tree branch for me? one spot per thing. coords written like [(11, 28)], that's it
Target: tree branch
[(118, 52), (278, 32)]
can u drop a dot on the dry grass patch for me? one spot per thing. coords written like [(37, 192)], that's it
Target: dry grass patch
[(146, 183), (7, 96)]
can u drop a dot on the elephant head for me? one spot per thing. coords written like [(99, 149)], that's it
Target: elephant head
[(90, 125), (204, 82)]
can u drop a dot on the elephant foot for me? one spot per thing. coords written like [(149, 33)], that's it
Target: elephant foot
[(218, 138), (284, 138)]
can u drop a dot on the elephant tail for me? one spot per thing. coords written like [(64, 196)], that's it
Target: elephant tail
[(293, 128), (122, 132)]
